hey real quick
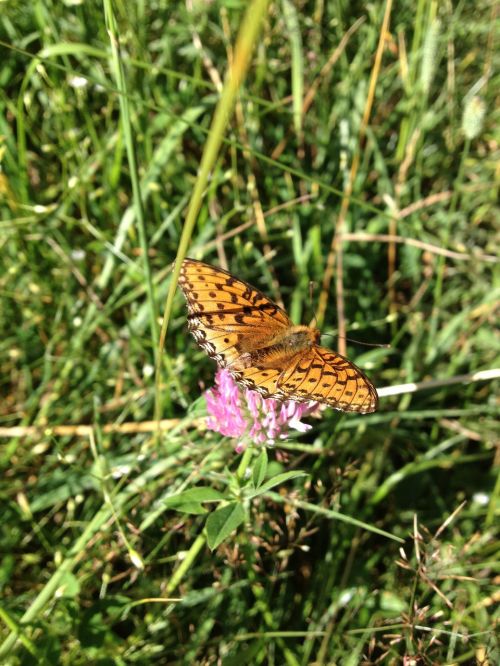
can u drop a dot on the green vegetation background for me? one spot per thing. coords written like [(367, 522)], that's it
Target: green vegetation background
[(95, 566)]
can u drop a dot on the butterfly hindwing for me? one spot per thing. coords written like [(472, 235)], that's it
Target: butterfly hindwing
[(262, 380)]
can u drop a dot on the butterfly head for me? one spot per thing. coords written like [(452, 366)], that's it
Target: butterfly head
[(315, 335)]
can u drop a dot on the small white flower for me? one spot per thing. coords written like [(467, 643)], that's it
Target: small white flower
[(481, 498), (120, 470), (77, 81), (78, 254), (148, 370)]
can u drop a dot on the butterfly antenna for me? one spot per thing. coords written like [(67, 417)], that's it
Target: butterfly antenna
[(359, 342), (312, 286), (368, 344), (314, 321)]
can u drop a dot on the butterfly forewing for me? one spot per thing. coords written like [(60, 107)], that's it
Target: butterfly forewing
[(327, 377), (245, 332), (227, 315)]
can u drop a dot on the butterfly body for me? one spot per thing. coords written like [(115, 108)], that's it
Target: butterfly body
[(245, 332), (276, 350)]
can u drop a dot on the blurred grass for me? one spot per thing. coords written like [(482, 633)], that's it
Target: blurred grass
[(91, 554)]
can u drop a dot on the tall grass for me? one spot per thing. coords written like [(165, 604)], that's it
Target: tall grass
[(361, 139)]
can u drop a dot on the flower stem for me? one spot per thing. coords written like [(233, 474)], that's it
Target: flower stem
[(244, 462)]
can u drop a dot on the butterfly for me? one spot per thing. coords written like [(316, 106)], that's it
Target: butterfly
[(245, 332)]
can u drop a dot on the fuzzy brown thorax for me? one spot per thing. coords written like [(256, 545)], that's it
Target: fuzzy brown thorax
[(276, 350)]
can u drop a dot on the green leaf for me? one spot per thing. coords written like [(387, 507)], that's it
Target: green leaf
[(69, 586), (275, 481), (260, 469), (222, 522), (194, 495), (195, 508)]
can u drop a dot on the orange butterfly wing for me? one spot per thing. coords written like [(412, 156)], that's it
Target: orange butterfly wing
[(245, 332), (227, 316), (261, 379), (327, 377)]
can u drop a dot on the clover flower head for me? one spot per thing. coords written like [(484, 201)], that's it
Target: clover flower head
[(247, 415)]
